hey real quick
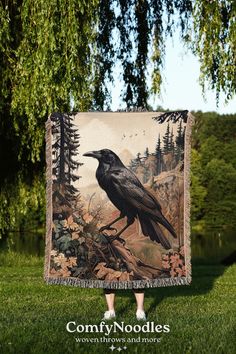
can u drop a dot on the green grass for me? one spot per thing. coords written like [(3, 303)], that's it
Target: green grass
[(33, 315)]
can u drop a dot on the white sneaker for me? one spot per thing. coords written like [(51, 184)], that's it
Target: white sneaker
[(140, 315), (108, 315)]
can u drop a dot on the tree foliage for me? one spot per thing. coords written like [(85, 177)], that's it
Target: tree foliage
[(22, 203), (46, 60), (213, 169), (198, 190), (213, 41)]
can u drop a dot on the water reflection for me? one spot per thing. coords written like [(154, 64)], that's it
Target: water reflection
[(31, 243), (212, 245)]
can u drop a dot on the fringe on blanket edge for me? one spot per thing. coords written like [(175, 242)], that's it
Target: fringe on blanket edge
[(135, 284), (48, 140)]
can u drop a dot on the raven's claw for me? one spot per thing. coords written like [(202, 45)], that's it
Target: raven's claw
[(107, 227), (121, 240), (112, 238)]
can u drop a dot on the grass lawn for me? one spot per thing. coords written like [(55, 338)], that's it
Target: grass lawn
[(33, 316)]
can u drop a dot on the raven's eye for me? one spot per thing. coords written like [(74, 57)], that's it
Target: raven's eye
[(109, 158)]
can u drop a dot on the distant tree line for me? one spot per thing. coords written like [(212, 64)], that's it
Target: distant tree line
[(170, 145), (213, 170)]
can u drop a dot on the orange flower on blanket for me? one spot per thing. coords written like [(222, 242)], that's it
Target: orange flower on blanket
[(60, 272), (70, 224), (54, 253), (165, 264), (60, 260), (62, 264), (71, 262), (179, 272), (173, 262), (165, 257), (87, 218), (75, 236)]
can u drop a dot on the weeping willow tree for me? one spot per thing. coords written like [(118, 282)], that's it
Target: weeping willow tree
[(46, 62), (56, 55)]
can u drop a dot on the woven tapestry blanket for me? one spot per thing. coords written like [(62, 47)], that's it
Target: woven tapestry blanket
[(118, 204)]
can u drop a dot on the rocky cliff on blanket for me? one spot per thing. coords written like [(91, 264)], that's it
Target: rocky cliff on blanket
[(118, 199)]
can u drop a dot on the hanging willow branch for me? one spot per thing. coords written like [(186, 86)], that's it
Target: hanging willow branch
[(214, 43), (132, 32), (56, 54)]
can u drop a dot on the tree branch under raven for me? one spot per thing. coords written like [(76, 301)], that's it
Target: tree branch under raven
[(132, 199)]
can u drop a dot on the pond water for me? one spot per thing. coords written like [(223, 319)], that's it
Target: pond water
[(213, 245), (31, 243), (209, 246)]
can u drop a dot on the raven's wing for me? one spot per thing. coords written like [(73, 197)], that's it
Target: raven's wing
[(128, 187)]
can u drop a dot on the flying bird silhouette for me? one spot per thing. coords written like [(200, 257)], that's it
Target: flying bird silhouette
[(132, 199)]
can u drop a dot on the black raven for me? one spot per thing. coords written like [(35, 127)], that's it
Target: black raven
[(127, 193)]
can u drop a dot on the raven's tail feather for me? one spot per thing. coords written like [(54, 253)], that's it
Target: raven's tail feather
[(163, 221), (152, 229)]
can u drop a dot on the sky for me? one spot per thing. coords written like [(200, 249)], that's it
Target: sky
[(124, 133), (180, 88)]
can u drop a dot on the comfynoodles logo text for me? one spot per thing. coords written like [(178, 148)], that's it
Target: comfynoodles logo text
[(107, 329)]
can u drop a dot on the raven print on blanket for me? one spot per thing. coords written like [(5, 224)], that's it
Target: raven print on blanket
[(118, 204)]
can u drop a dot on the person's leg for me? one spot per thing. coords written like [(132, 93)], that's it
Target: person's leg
[(110, 300), (139, 300), (139, 296)]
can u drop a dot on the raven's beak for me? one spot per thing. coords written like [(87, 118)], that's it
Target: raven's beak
[(95, 154)]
